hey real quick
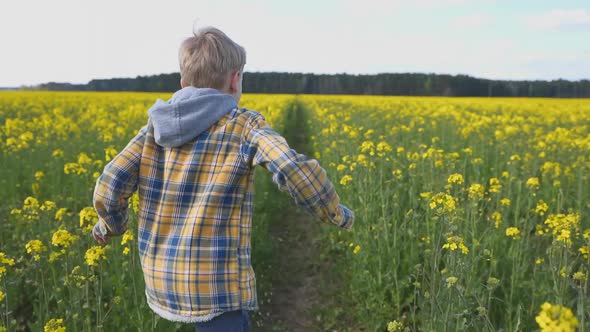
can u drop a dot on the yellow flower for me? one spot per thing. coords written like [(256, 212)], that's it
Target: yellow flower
[(35, 187), (541, 208), (48, 206), (134, 202), (94, 254), (585, 250), (442, 202), (562, 225), (551, 168), (55, 325), (495, 186), (39, 175), (563, 272), (556, 318), (77, 277), (84, 159), (35, 247), (31, 208), (362, 159), (367, 146), (356, 249), (426, 195), (74, 168), (63, 238), (60, 214), (476, 191), (395, 326), (126, 251), (127, 236), (453, 155), (54, 256), (110, 153), (88, 218), (579, 276), (505, 202), (57, 153), (6, 260), (455, 179), (31, 202), (497, 218), (345, 180), (1, 296), (451, 281), (513, 232), (456, 243), (382, 148), (533, 183)]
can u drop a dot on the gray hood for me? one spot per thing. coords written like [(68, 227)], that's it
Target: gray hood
[(187, 114)]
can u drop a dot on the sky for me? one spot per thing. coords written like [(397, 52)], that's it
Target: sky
[(79, 40)]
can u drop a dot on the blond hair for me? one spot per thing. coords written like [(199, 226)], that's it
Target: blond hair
[(208, 57)]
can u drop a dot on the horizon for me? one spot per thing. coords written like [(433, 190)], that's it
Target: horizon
[(487, 39), (303, 73)]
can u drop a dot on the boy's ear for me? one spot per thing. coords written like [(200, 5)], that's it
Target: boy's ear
[(234, 80), (182, 85)]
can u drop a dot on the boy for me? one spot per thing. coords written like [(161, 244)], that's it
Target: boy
[(193, 165)]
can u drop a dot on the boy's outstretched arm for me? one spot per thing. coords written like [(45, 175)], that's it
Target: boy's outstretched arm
[(113, 188), (304, 179)]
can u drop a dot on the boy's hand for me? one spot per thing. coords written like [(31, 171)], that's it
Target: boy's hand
[(98, 237), (347, 218)]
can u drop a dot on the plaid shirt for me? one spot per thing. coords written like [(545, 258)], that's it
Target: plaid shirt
[(195, 210)]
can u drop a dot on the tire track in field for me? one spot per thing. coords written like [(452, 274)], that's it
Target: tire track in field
[(296, 278)]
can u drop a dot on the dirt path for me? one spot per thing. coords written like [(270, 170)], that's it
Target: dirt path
[(296, 277), (294, 291)]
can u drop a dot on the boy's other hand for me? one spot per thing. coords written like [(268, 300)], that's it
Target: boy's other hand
[(347, 218), (99, 238)]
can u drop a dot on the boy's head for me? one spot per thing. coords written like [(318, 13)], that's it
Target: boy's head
[(210, 59)]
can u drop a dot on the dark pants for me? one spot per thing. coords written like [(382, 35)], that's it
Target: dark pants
[(231, 321)]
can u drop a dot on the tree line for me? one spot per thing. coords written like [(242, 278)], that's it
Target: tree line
[(398, 84)]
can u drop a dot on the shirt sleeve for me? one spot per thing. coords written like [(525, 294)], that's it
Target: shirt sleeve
[(304, 179), (115, 185)]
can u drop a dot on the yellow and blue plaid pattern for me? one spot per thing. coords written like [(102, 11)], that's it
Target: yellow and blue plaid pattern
[(195, 209)]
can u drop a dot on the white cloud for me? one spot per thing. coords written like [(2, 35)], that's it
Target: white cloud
[(472, 21), (559, 18)]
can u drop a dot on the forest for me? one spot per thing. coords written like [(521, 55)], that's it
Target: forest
[(392, 84)]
